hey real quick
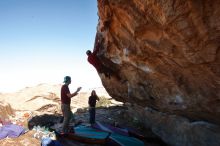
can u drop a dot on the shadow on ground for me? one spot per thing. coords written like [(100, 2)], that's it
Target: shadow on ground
[(111, 115)]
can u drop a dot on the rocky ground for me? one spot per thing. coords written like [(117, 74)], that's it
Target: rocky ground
[(40, 106), (112, 115)]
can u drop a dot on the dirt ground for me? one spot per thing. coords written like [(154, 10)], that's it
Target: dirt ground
[(111, 115)]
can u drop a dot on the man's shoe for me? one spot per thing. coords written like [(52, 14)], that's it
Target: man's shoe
[(71, 130)]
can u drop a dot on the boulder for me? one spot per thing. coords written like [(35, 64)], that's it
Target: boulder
[(5, 110), (168, 54)]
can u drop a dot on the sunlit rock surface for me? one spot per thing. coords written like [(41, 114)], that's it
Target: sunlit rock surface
[(168, 51), (5, 111)]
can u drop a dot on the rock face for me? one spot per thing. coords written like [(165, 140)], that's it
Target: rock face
[(168, 51), (5, 110)]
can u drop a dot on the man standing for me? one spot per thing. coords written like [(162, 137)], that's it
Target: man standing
[(65, 103)]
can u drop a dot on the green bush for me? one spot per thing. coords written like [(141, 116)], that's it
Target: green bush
[(103, 102)]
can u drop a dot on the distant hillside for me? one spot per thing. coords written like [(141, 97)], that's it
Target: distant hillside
[(32, 98), (45, 96)]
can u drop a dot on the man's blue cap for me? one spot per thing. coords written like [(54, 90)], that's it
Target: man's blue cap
[(67, 79)]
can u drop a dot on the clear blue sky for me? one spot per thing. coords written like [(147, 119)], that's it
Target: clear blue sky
[(41, 41)]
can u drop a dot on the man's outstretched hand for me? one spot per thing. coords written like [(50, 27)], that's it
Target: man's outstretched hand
[(78, 89)]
